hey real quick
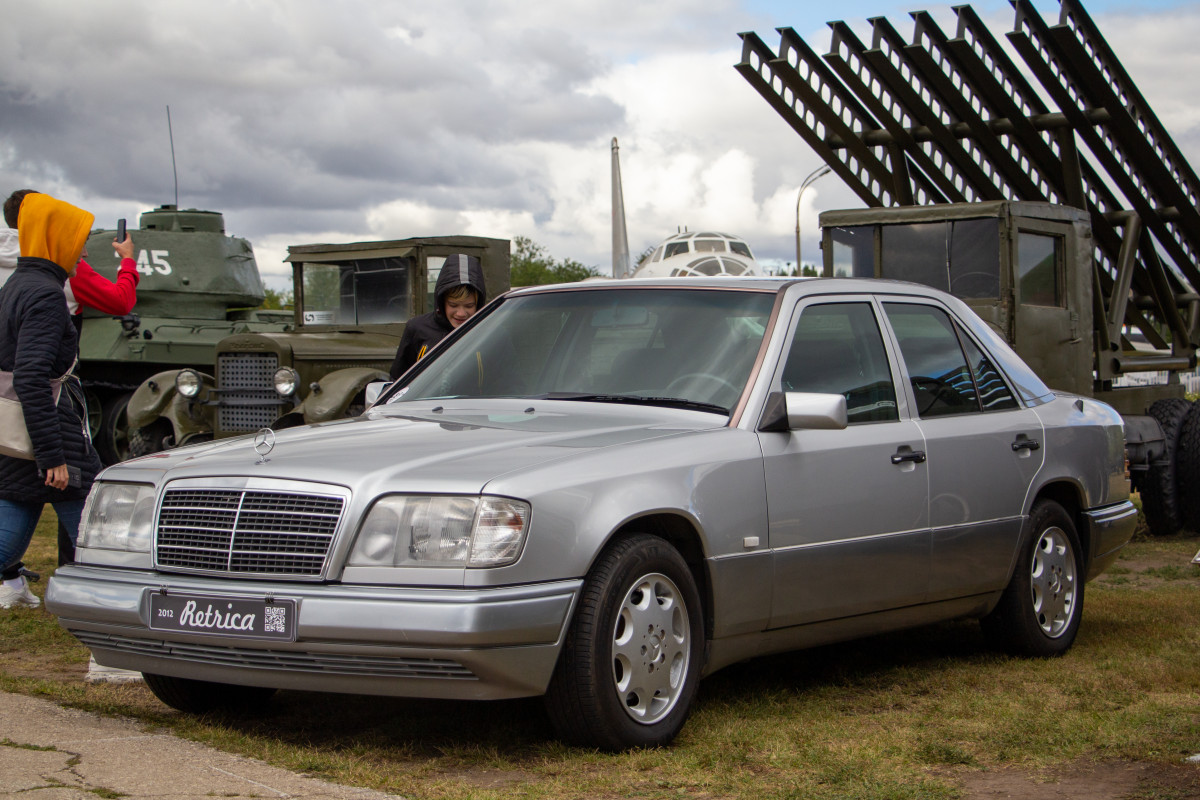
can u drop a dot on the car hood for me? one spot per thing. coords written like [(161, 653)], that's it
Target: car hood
[(451, 446)]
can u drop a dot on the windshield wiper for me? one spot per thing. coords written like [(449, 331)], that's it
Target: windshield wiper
[(636, 400)]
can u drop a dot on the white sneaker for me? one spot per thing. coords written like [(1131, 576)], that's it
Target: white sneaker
[(16, 593)]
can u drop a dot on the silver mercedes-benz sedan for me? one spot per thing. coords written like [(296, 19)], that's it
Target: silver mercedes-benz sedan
[(601, 492)]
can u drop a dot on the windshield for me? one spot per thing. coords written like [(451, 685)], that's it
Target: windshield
[(612, 345)]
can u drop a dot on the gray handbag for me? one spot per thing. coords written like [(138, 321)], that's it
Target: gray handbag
[(14, 437)]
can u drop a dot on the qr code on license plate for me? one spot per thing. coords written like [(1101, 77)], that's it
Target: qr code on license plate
[(275, 619)]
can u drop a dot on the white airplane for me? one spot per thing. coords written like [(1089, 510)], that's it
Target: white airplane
[(684, 254)]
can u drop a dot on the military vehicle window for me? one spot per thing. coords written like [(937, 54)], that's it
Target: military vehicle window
[(1039, 267), (675, 248), (741, 248), (853, 251), (961, 257), (371, 290), (710, 246), (941, 380), (433, 268), (322, 296), (994, 395), (838, 349), (918, 253), (975, 258)]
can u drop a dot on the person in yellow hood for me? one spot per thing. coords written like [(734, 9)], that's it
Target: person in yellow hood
[(38, 345)]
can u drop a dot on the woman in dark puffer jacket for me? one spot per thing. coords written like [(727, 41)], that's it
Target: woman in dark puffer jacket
[(37, 345)]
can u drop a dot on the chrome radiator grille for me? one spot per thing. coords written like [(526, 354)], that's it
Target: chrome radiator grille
[(246, 532), (248, 400)]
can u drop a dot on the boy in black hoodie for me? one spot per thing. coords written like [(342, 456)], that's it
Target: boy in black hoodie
[(459, 293)]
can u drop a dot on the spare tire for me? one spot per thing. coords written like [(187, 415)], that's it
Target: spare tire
[(1160, 487), (1187, 467)]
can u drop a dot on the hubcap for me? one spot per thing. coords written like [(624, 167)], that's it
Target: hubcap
[(651, 648), (1053, 582)]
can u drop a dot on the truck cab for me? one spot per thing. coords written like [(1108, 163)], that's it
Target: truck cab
[(352, 302)]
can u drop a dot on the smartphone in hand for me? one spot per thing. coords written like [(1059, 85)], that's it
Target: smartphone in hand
[(121, 229)]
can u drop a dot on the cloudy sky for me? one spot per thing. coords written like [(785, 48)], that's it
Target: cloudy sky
[(309, 121)]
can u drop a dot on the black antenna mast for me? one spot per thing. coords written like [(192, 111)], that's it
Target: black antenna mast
[(174, 171)]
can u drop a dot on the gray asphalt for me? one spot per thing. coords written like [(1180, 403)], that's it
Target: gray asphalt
[(52, 753)]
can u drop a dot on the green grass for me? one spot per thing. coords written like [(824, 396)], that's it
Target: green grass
[(897, 716)]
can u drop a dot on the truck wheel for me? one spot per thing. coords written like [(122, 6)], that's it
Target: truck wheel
[(154, 438), (632, 657), (198, 697), (1039, 612), (1187, 465), (1160, 487), (112, 440)]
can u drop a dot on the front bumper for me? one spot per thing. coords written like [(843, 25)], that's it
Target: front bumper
[(476, 644)]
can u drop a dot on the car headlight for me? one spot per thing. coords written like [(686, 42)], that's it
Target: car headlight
[(441, 531), (286, 380), (118, 516), (188, 383)]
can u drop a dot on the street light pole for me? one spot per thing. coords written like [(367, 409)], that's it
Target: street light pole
[(819, 172)]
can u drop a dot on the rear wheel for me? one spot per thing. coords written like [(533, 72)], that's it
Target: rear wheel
[(1160, 486), (632, 658), (1040, 610), (198, 697), (1187, 465)]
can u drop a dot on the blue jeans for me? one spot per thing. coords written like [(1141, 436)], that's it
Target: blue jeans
[(18, 522)]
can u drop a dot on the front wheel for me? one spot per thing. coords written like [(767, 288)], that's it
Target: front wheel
[(199, 697), (1040, 610), (633, 655)]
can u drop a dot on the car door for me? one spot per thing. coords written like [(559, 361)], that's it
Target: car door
[(983, 449), (848, 519)]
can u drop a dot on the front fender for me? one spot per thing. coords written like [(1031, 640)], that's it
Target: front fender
[(334, 392), (158, 399)]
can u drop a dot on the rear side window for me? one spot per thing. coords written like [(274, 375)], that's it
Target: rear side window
[(838, 349), (945, 380)]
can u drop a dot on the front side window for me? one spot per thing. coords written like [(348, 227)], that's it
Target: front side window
[(837, 349), (941, 380), (853, 251)]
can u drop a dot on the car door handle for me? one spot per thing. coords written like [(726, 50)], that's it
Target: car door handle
[(1023, 443), (915, 456)]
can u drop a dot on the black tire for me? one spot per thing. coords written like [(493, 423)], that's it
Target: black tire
[(112, 440), (639, 626), (154, 438), (1160, 486), (199, 697), (1039, 613), (1187, 469)]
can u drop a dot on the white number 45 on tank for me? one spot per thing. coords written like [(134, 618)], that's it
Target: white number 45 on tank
[(151, 261)]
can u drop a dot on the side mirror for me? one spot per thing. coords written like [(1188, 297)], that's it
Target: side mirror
[(373, 390), (810, 411)]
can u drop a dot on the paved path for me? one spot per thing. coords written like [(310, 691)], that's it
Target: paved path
[(52, 753)]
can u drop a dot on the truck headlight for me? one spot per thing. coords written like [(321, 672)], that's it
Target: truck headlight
[(286, 380), (441, 531), (188, 383), (118, 516)]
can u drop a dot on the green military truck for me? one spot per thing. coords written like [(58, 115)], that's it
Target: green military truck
[(1061, 211), (197, 286), (351, 304)]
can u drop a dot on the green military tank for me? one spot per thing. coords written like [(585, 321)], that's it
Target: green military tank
[(197, 286)]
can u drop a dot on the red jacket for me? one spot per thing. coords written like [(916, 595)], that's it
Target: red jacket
[(89, 288)]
